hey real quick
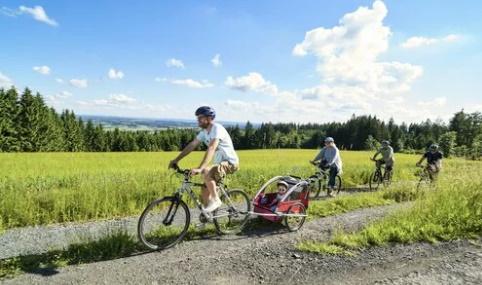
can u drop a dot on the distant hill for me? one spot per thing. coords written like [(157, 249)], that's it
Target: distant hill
[(111, 122)]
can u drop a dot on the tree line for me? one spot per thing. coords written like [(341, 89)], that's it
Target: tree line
[(27, 124)]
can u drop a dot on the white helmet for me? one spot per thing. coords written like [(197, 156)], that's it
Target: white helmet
[(281, 182)]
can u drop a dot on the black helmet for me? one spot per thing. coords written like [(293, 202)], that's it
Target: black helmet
[(434, 146), (205, 111)]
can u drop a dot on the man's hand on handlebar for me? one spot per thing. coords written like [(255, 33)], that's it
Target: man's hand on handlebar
[(196, 171)]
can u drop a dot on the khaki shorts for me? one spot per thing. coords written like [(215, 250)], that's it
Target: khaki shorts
[(218, 171)]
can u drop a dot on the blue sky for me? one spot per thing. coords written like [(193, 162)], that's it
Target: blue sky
[(303, 61)]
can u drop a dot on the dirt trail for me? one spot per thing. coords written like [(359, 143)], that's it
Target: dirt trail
[(267, 255), (41, 239)]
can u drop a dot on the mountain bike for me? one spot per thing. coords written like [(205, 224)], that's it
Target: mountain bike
[(425, 180), (319, 181), (381, 175), (166, 221)]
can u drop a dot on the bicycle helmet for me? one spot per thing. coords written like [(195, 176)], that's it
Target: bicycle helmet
[(434, 146), (205, 111), (329, 139), (281, 182), (385, 142)]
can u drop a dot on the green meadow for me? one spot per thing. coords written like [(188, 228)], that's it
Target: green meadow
[(45, 188)]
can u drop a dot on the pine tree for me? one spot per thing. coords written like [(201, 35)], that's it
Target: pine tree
[(89, 134), (28, 122), (8, 114), (73, 133)]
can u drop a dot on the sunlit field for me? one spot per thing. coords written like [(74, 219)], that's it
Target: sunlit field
[(44, 188)]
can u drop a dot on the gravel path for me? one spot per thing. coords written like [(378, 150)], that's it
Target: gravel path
[(267, 255), (41, 239)]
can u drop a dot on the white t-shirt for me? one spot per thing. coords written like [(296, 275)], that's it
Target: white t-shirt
[(225, 150)]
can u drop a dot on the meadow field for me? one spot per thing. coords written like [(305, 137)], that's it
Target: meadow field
[(45, 188)]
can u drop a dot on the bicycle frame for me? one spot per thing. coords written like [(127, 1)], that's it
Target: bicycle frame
[(187, 186)]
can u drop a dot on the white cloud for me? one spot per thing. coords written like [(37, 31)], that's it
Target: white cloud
[(64, 94), (172, 62), (188, 82), (122, 104), (192, 83), (5, 81), (216, 60), (58, 100), (116, 100), (347, 54), (115, 74), (59, 80), (79, 83), (415, 42), (38, 13), (9, 12), (45, 70), (439, 102), (251, 82), (352, 78)]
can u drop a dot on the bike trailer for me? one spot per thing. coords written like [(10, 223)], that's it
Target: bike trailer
[(293, 203)]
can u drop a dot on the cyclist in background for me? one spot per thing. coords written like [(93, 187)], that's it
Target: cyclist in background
[(387, 156), (434, 161), (329, 158)]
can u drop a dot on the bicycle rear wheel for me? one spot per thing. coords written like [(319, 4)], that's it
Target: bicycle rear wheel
[(375, 180), (233, 214), (163, 223), (387, 178), (338, 184)]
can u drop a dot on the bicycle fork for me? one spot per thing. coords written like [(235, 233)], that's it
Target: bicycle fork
[(167, 221)]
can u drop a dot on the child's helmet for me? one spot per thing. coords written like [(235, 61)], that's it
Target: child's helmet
[(281, 182)]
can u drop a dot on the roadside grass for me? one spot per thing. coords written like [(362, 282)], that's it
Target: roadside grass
[(450, 210), (397, 193), (46, 188)]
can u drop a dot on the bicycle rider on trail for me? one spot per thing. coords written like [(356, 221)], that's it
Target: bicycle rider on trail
[(329, 158), (387, 156), (220, 147), (434, 161)]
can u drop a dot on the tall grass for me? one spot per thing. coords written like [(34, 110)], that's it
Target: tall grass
[(43, 188), (450, 210)]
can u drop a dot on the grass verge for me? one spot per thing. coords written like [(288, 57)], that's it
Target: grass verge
[(450, 211)]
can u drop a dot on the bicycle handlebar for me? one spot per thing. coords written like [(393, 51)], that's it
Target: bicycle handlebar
[(185, 172)]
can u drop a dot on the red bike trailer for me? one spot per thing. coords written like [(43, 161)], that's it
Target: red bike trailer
[(292, 205)]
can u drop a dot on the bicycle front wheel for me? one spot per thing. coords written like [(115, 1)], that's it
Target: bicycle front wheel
[(163, 223), (314, 187), (234, 213), (375, 180)]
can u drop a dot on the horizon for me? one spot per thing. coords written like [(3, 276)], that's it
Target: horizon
[(256, 124), (276, 61)]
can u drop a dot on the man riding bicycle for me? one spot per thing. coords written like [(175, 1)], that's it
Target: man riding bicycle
[(329, 158), (387, 156), (220, 146), (434, 161)]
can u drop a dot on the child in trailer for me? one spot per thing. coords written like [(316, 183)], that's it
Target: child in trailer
[(282, 189)]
